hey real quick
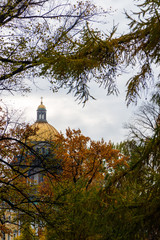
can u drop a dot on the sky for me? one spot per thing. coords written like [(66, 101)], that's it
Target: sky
[(101, 118)]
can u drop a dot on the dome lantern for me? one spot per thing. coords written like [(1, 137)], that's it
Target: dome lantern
[(41, 112), (45, 132)]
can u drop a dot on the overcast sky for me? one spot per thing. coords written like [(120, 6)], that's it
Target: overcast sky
[(101, 118)]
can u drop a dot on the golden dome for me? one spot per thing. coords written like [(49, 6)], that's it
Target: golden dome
[(41, 106), (45, 132)]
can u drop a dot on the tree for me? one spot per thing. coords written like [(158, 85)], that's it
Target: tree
[(82, 157), (77, 214), (27, 233), (82, 167), (132, 198), (74, 205), (34, 36), (132, 195), (103, 59), (41, 39)]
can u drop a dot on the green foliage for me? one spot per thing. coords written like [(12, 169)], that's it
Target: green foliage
[(59, 44), (95, 57), (133, 196), (38, 38), (27, 233), (76, 214), (144, 45), (127, 205)]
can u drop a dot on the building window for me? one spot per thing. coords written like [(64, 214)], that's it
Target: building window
[(40, 116)]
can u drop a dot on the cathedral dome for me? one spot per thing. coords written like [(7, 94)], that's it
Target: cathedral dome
[(41, 106), (45, 132)]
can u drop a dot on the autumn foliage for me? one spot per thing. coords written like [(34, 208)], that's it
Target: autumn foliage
[(74, 173), (82, 158)]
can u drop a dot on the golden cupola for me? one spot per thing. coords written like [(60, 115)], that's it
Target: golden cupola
[(45, 132)]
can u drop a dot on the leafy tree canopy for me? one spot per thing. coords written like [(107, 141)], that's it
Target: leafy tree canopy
[(54, 40), (102, 59), (37, 35), (133, 202)]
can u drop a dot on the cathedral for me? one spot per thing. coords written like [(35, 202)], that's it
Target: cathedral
[(42, 143)]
